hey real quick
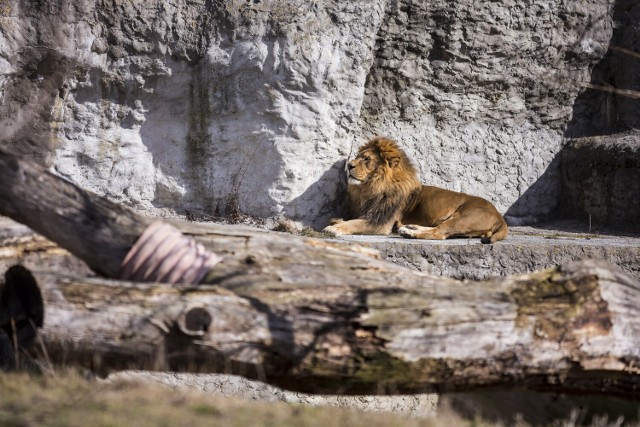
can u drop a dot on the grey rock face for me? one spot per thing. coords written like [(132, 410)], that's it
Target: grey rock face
[(252, 106), (419, 405), (481, 93), (601, 180)]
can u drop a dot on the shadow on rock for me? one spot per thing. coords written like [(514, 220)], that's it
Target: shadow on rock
[(602, 109), (547, 187), (594, 177), (322, 200)]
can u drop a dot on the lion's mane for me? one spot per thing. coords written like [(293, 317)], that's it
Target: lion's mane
[(393, 185)]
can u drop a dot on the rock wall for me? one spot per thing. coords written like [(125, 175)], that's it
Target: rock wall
[(611, 104), (601, 160), (482, 92), (601, 182), (250, 106)]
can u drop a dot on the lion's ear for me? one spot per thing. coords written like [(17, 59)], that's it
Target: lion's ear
[(393, 161)]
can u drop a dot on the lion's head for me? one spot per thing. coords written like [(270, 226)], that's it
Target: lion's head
[(381, 181)]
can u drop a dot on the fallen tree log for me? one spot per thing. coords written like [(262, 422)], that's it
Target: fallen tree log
[(380, 330)]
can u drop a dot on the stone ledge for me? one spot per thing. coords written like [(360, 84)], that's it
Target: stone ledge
[(525, 249), (417, 405)]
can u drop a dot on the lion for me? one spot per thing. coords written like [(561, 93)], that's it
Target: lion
[(384, 194)]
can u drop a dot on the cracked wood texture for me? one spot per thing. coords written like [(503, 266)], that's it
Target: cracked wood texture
[(324, 320)]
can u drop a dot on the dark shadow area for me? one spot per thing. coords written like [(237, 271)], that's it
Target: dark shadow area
[(601, 159), (21, 315), (602, 109), (540, 409), (580, 224), (598, 170), (601, 182), (331, 186), (546, 187), (596, 181)]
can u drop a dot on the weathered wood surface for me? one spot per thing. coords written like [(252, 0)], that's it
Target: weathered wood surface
[(366, 328), (96, 230)]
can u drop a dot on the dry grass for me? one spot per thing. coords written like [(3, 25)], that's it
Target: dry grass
[(287, 226), (71, 400)]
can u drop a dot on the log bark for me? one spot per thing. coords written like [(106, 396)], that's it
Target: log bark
[(96, 230), (367, 328)]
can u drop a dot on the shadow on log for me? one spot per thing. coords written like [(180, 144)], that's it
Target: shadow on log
[(21, 314)]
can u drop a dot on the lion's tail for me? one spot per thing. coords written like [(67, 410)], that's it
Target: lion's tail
[(498, 234)]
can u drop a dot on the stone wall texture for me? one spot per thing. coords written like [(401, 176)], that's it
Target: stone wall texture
[(251, 106), (601, 181), (601, 160)]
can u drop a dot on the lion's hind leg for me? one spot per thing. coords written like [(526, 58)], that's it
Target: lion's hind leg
[(419, 232), (455, 226)]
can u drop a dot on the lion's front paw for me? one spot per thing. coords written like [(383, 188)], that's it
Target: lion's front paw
[(333, 229), (408, 231)]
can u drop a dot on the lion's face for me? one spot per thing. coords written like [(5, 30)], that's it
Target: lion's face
[(363, 166), (381, 179)]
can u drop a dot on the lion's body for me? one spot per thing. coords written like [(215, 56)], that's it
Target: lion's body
[(384, 192)]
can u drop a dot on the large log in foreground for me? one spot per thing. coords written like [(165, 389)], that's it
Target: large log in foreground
[(371, 329)]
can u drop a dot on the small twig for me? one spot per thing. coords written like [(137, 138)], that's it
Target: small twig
[(42, 346), (14, 335), (625, 50), (611, 89), (55, 49)]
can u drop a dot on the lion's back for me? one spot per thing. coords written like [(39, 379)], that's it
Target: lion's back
[(436, 204)]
